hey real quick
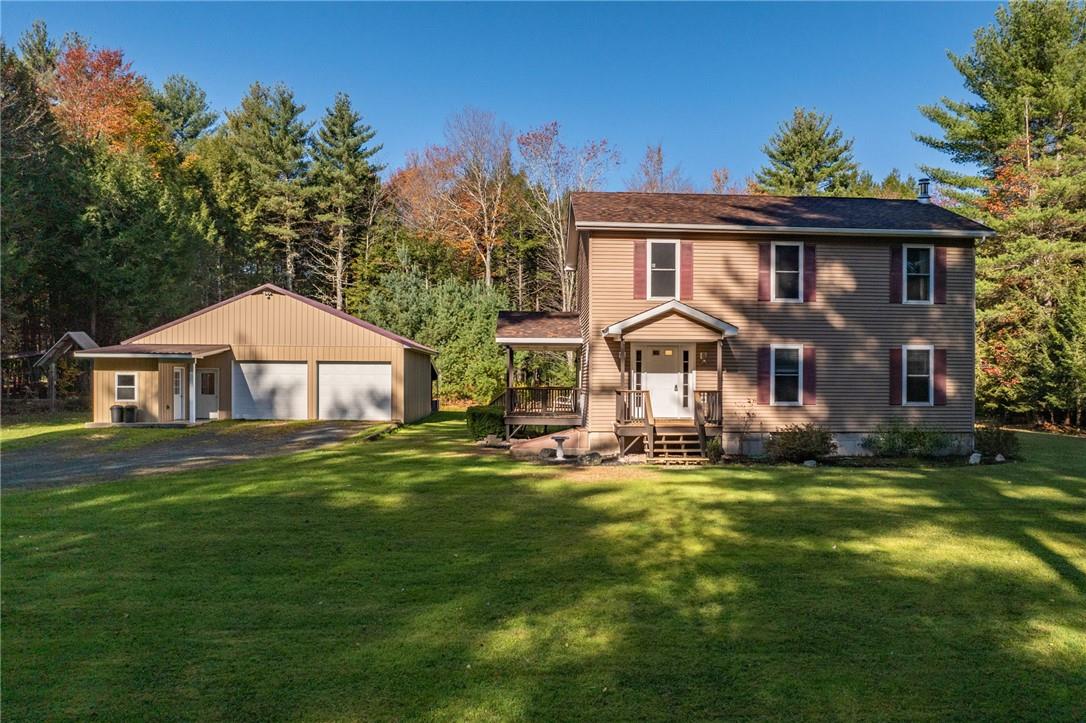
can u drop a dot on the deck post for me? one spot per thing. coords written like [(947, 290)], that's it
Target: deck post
[(52, 386)]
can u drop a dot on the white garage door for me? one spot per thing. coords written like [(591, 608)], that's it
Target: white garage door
[(350, 390), (270, 390)]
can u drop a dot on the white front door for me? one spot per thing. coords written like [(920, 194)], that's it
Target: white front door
[(207, 394), (178, 393), (667, 373)]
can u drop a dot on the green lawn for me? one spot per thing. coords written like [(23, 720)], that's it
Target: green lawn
[(24, 430), (412, 577)]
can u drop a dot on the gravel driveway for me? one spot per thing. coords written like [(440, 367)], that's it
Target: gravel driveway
[(78, 461)]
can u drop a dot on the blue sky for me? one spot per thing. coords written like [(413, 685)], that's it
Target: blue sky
[(708, 81)]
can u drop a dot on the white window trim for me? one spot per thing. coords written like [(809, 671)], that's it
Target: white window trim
[(648, 267), (905, 274), (773, 271), (905, 349), (773, 375), (135, 387)]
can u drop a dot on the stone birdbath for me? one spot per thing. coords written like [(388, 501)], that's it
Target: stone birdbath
[(559, 452)]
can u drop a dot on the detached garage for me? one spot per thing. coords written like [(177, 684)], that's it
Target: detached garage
[(265, 354)]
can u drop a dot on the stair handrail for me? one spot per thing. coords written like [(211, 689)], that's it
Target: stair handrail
[(650, 424), (699, 421)]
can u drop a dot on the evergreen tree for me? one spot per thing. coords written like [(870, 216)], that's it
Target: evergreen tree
[(807, 158), (344, 185), (182, 106), (1027, 71), (270, 140), (1026, 135)]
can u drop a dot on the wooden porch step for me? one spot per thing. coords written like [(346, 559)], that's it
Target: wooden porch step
[(677, 460)]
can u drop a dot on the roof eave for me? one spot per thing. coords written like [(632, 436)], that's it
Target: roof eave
[(803, 230)]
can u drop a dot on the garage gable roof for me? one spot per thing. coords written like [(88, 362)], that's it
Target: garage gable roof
[(272, 288)]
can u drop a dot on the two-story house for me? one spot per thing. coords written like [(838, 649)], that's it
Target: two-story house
[(703, 315)]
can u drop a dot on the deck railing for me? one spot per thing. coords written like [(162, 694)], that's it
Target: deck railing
[(710, 405), (543, 401), (634, 407)]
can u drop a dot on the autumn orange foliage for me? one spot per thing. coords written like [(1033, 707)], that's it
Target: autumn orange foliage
[(99, 97)]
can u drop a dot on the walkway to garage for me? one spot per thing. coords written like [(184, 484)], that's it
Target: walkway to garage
[(83, 459)]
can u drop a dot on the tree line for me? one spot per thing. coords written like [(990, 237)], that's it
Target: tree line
[(125, 205)]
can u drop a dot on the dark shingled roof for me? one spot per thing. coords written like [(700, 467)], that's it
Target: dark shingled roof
[(538, 325), (769, 211)]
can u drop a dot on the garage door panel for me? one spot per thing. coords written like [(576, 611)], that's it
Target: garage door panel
[(350, 390), (270, 390)]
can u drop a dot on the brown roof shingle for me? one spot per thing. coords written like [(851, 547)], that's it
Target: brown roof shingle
[(769, 211), (538, 325)]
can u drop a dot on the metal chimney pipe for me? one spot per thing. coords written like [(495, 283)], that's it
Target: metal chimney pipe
[(922, 190)]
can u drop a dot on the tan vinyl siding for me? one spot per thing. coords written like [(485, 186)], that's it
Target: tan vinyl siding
[(418, 388), (148, 394), (672, 327), (852, 325), (224, 363)]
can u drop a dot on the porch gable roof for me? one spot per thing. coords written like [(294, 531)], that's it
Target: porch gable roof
[(617, 329)]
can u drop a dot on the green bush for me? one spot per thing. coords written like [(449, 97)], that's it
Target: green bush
[(484, 420), (898, 439), (713, 450), (798, 443), (991, 441)]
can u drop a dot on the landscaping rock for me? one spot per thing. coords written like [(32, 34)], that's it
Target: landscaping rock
[(548, 453), (591, 459), (493, 440), (1000, 458), (974, 458), (810, 463)]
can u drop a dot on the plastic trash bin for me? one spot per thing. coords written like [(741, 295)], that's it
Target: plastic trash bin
[(116, 414), (129, 414)]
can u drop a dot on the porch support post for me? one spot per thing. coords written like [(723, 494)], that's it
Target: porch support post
[(720, 379), (192, 394), (509, 374), (625, 376)]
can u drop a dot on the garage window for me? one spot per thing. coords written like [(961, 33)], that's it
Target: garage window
[(125, 386)]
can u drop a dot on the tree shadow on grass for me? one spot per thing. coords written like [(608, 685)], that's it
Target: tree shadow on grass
[(411, 578)]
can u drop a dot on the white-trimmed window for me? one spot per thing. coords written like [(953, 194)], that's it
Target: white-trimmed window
[(786, 374), (918, 273), (124, 386), (663, 272), (917, 376), (786, 271)]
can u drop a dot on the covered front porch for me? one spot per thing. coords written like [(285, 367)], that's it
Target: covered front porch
[(660, 404), (540, 406)]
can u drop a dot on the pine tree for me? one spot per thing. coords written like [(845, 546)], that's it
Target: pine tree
[(807, 158), (182, 106), (1027, 71), (344, 185), (270, 139), (1025, 134)]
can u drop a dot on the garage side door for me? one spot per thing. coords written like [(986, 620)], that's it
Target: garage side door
[(270, 390), (350, 390)]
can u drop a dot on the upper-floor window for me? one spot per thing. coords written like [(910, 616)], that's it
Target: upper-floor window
[(786, 272), (663, 269), (918, 272), (918, 381), (785, 374)]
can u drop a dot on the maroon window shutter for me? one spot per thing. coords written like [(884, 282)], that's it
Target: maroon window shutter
[(686, 270), (939, 370), (763, 272), (895, 377), (940, 275), (895, 274), (763, 375), (640, 263), (810, 273), (810, 375)]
